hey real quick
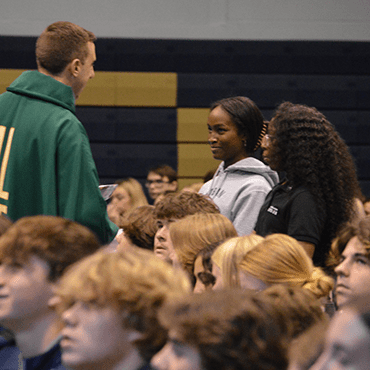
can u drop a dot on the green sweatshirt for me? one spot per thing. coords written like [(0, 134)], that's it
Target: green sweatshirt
[(46, 162)]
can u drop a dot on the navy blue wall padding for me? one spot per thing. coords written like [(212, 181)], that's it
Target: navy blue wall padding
[(323, 92), (125, 125), (17, 52), (131, 160), (210, 56), (332, 76)]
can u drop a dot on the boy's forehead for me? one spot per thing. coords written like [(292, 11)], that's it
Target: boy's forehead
[(30, 262), (154, 176), (355, 247), (167, 221)]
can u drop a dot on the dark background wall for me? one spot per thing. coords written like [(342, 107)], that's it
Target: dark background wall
[(127, 139)]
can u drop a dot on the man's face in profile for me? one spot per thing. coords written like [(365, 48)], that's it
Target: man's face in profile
[(163, 247)]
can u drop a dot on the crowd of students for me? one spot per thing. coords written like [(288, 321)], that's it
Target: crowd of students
[(264, 266), (68, 302)]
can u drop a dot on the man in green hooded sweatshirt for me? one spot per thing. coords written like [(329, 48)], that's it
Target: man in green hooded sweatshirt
[(46, 162)]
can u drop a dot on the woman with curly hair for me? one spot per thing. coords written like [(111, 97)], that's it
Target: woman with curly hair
[(241, 182), (317, 195)]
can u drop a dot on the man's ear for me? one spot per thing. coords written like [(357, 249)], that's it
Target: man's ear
[(75, 67)]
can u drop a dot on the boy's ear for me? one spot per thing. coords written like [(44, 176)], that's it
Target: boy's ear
[(75, 67), (173, 185)]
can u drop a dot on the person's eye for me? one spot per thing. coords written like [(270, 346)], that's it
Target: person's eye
[(15, 265), (362, 260), (341, 260), (207, 278), (91, 305), (341, 356), (159, 224)]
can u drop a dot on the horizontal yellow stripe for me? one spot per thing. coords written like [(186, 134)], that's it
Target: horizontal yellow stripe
[(187, 182), (131, 89), (7, 76), (195, 160), (192, 124), (135, 89)]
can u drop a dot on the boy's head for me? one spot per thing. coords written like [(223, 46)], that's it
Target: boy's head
[(66, 52), (195, 237), (132, 286), (171, 208), (347, 342), (161, 179), (226, 329), (59, 242), (34, 252), (140, 227), (350, 254), (59, 44)]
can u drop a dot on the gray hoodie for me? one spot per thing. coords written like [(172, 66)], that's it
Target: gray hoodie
[(240, 190)]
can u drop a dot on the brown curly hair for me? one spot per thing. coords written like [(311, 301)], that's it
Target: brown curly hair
[(140, 227), (358, 227), (231, 329), (56, 240), (300, 307), (312, 154), (179, 205)]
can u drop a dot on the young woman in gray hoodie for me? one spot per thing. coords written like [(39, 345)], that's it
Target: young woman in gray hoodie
[(241, 182)]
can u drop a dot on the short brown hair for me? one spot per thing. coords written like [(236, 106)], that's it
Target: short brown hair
[(140, 227), (179, 205), (231, 329), (59, 44), (360, 228), (299, 307), (136, 283), (165, 170), (58, 241), (5, 223)]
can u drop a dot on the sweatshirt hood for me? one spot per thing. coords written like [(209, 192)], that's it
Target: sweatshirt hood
[(37, 85), (253, 166)]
